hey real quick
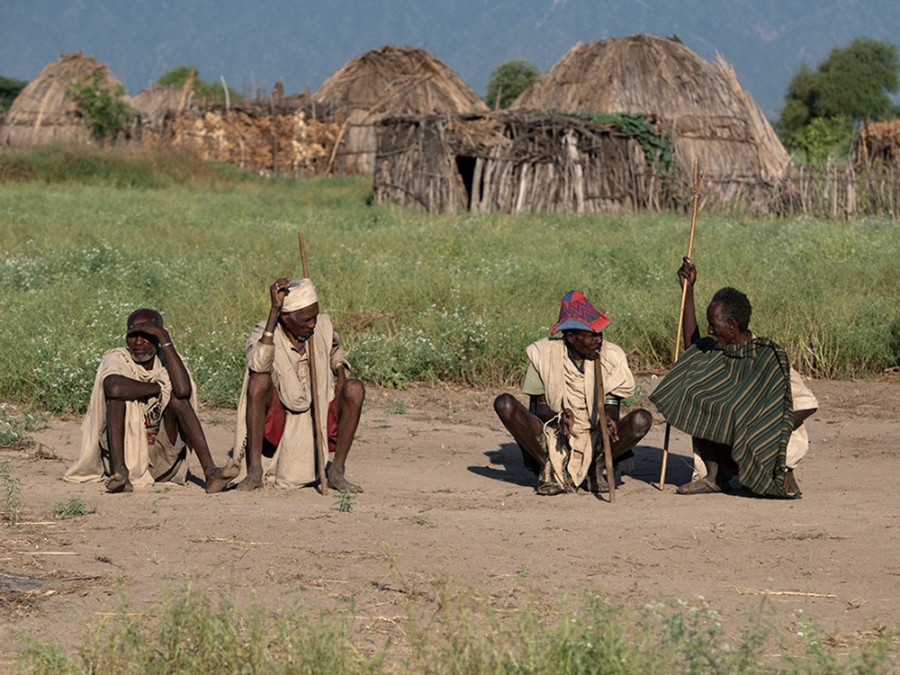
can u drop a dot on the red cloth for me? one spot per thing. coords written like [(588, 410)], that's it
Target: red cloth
[(277, 416)]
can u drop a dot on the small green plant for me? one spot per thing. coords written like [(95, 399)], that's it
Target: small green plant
[(344, 501), (70, 509), (12, 503), (15, 426), (397, 408), (102, 104)]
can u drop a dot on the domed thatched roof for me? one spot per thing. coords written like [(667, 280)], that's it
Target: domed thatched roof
[(44, 112), (713, 121), (396, 81)]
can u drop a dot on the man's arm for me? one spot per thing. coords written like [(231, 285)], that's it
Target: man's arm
[(121, 388), (165, 350), (687, 275)]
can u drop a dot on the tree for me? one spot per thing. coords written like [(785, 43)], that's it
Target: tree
[(851, 85), (102, 104), (508, 80), (9, 89)]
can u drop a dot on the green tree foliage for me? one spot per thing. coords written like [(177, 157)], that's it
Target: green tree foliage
[(852, 84), (508, 80), (208, 91), (102, 104), (9, 89)]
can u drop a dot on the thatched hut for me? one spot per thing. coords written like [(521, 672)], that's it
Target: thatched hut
[(712, 120), (45, 112), (514, 161), (383, 82)]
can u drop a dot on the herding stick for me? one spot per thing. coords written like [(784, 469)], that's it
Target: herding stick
[(314, 392), (698, 184), (600, 403)]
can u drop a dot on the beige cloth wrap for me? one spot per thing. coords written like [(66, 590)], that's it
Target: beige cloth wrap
[(798, 443), (146, 463), (567, 387), (294, 462)]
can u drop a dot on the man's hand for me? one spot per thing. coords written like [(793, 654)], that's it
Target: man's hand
[(567, 421), (155, 332), (613, 430), (277, 291), (687, 273)]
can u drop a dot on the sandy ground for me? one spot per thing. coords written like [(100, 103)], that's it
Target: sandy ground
[(448, 504)]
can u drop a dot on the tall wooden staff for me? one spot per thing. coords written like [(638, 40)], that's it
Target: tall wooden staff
[(599, 403), (314, 392), (698, 184)]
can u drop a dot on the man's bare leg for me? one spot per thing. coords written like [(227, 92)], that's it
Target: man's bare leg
[(180, 415), (259, 397), (115, 435), (714, 455), (349, 409), (525, 427), (630, 430)]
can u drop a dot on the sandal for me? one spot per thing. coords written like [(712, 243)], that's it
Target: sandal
[(549, 489), (701, 486)]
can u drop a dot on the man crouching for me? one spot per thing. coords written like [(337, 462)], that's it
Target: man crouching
[(276, 431), (142, 418)]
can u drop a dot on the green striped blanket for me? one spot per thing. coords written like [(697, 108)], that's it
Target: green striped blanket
[(739, 396)]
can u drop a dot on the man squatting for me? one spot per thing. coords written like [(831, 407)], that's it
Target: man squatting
[(142, 417), (559, 434), (276, 432), (738, 397)]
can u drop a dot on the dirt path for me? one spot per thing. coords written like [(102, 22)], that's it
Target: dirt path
[(448, 503)]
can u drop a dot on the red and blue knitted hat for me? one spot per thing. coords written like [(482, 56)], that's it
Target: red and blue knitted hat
[(576, 313)]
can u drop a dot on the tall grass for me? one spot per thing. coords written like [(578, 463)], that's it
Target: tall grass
[(416, 297), (189, 633)]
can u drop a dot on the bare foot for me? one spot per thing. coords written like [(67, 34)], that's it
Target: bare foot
[(336, 481), (118, 483), (216, 480), (790, 484), (253, 481)]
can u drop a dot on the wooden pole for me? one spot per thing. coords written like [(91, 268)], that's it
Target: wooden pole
[(698, 184), (599, 398), (314, 392)]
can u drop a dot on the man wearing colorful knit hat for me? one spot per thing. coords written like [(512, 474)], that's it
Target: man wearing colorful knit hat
[(559, 433)]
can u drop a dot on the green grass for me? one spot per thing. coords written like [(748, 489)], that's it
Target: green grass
[(190, 633), (416, 297), (70, 508), (11, 495)]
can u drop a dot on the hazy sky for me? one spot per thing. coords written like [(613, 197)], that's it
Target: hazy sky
[(254, 44)]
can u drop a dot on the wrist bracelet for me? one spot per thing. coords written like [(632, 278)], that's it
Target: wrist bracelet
[(166, 344), (268, 333)]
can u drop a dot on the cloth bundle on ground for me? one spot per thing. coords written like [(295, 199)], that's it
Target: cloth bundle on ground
[(293, 463), (739, 396), (149, 455)]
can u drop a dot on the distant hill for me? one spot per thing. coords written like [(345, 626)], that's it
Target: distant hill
[(302, 42)]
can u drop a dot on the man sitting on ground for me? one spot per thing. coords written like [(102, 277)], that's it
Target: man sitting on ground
[(559, 434), (276, 431), (733, 393), (142, 417)]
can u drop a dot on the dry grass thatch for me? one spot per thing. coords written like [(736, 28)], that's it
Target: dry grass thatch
[(713, 121), (383, 82), (877, 142), (44, 112), (285, 143), (513, 161)]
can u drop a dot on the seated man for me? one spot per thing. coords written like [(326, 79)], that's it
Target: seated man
[(275, 412), (734, 393), (142, 417), (559, 434)]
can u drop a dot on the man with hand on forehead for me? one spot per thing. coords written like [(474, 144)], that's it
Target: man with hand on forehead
[(276, 427), (559, 433), (142, 417)]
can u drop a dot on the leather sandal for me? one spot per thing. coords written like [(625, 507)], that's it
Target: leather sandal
[(701, 486)]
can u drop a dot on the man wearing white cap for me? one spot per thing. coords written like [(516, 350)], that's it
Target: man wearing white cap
[(276, 428)]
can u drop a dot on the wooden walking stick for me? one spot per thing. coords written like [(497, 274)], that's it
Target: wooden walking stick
[(321, 457), (599, 403), (698, 184)]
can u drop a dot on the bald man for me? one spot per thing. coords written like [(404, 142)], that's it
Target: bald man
[(142, 418)]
